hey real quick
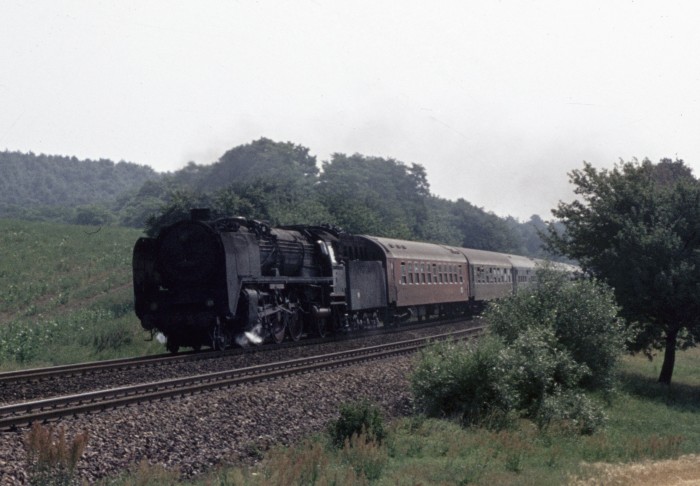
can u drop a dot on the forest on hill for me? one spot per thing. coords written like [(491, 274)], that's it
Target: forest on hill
[(50, 187), (279, 182)]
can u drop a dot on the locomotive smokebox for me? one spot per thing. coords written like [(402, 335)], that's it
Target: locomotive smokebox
[(200, 214)]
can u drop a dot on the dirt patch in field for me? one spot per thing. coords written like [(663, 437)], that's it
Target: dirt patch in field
[(682, 471)]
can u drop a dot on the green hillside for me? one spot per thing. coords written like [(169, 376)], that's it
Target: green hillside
[(67, 294)]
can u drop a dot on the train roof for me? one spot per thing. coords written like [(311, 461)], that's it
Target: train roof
[(417, 250), (483, 257), (523, 262)]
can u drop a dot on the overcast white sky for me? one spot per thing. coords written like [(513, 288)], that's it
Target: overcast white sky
[(497, 99)]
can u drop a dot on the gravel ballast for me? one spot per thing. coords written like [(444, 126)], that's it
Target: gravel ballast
[(193, 434)]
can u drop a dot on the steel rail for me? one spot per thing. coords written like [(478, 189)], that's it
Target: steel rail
[(42, 410), (37, 374)]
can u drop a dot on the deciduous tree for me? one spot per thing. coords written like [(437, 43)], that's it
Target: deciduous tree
[(637, 227)]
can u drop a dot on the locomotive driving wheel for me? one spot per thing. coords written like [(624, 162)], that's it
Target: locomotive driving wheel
[(295, 324), (277, 327), (321, 326), (220, 338)]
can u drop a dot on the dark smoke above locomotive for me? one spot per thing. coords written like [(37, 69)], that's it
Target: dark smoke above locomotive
[(203, 282)]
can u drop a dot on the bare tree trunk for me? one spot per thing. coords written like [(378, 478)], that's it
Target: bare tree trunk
[(669, 357)]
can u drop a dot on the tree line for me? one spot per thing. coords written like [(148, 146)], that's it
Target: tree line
[(65, 189), (279, 182)]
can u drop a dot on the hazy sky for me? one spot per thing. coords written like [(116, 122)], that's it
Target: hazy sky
[(497, 99)]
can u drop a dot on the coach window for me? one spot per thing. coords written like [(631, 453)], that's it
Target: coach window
[(461, 275), (410, 272), (430, 274), (403, 273)]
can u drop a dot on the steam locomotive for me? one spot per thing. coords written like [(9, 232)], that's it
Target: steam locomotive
[(236, 281)]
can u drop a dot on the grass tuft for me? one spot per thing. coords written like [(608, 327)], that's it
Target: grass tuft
[(51, 456)]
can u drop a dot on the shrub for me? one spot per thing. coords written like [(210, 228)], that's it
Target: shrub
[(359, 418), (461, 380), (570, 411), (533, 367), (546, 346), (582, 315)]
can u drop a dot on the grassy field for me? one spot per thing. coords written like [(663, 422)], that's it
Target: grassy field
[(66, 295)]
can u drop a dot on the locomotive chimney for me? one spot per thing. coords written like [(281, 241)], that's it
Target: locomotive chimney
[(200, 214)]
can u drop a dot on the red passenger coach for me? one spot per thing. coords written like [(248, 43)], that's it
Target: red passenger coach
[(490, 274), (423, 275)]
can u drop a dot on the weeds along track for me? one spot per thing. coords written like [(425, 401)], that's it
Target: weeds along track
[(43, 410), (35, 384)]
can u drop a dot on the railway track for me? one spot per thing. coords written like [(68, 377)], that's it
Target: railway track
[(36, 374), (57, 372), (42, 410)]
